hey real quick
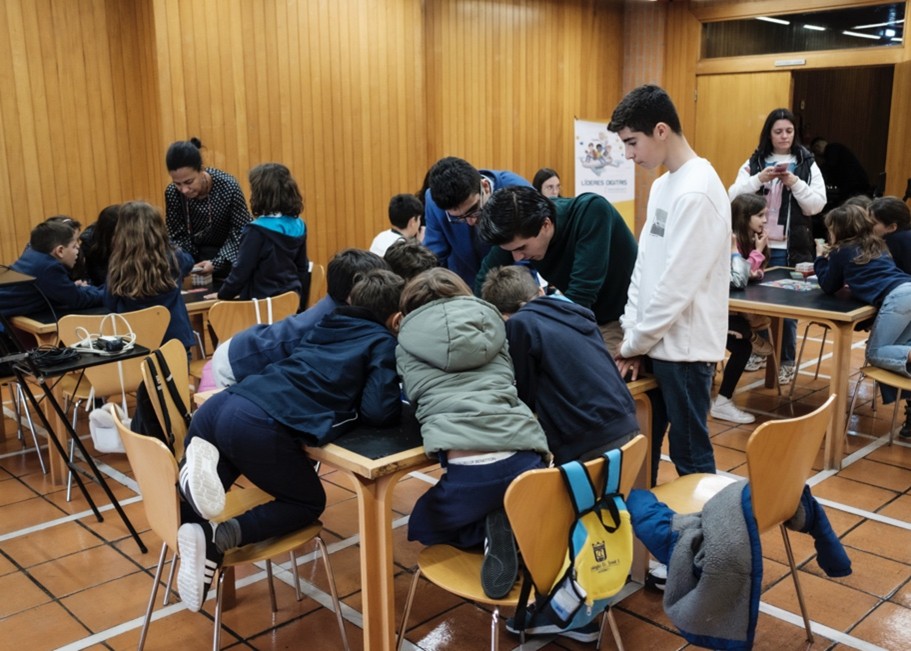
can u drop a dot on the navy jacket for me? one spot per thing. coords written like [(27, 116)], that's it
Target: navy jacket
[(343, 374), (870, 282), (899, 244), (179, 327), (566, 376), (272, 260), (52, 279)]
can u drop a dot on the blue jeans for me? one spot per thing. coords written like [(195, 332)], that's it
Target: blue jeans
[(890, 339), (253, 444), (779, 258), (685, 397)]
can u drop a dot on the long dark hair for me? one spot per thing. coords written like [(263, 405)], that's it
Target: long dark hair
[(765, 136), (743, 207), (853, 226)]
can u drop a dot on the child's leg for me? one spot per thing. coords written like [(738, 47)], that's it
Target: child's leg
[(889, 345), (740, 348), (453, 511)]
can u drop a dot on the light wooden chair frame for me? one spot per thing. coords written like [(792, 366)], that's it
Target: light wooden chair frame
[(881, 376)]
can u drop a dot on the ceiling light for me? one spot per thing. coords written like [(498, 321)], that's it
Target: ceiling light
[(886, 24), (777, 21), (815, 28), (859, 35)]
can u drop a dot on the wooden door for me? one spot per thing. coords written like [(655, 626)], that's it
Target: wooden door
[(730, 112)]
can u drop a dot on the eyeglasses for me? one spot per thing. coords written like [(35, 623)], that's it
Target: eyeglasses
[(472, 212)]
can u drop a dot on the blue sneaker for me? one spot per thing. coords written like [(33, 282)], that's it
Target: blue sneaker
[(537, 624)]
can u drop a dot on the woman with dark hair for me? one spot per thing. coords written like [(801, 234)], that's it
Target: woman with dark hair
[(273, 249), (97, 243), (785, 172), (547, 182), (205, 208)]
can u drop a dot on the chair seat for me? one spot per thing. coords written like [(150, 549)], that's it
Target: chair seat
[(888, 378), (459, 571), (688, 494), (266, 549)]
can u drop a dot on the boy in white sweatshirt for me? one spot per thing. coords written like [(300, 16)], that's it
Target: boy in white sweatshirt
[(676, 313)]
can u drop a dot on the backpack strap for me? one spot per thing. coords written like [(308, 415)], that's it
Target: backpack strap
[(163, 407), (612, 499), (172, 389), (579, 485)]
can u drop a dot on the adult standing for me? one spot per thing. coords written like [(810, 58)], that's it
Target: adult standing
[(452, 204), (786, 173), (205, 209)]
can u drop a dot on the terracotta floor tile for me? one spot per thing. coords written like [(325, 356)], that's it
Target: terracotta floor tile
[(181, 630), (899, 508), (902, 596), (78, 503), (407, 492), (882, 540), (26, 513), (897, 454), (108, 604), (874, 473), (19, 593), (112, 527), (773, 634), (870, 573), (45, 627), (48, 544), (735, 439), (829, 603), (889, 626), (81, 571), (12, 490), (318, 628), (864, 496), (341, 518)]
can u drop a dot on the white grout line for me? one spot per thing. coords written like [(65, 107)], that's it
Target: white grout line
[(68, 518), (821, 629)]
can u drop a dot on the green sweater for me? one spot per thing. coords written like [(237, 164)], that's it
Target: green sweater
[(590, 257)]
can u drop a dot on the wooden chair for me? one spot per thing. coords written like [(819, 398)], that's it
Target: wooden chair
[(542, 540), (175, 356), (317, 283), (230, 317), (780, 456), (890, 379), (149, 326), (155, 469)]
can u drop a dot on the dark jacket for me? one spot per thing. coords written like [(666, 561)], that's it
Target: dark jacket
[(801, 247), (590, 257), (53, 280), (179, 327), (566, 376), (272, 260), (343, 374), (870, 282), (899, 244)]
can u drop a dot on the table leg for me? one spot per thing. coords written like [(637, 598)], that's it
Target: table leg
[(639, 568), (57, 464), (374, 501), (841, 366)]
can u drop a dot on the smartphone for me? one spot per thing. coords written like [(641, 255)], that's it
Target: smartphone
[(781, 168)]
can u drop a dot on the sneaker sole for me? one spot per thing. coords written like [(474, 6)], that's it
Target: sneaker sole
[(501, 564), (191, 543), (202, 487), (553, 629)]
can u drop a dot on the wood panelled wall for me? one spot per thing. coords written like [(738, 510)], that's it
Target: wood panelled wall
[(357, 97)]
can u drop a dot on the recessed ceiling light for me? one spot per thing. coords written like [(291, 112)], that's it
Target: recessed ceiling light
[(815, 28), (859, 35), (777, 21)]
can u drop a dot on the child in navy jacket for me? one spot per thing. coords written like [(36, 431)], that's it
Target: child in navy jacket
[(893, 224)]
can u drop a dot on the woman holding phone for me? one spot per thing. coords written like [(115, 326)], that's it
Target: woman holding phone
[(784, 172)]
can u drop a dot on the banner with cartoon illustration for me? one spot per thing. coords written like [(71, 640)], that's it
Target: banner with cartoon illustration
[(602, 167)]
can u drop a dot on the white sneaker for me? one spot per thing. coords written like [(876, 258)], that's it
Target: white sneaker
[(755, 362), (786, 374), (656, 578), (724, 409)]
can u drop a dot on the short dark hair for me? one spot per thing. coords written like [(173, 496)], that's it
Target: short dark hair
[(891, 210), (75, 224), (274, 191), (379, 291), (643, 108), (452, 181), (51, 233), (408, 258), (765, 147), (344, 266), (541, 176), (514, 211), (403, 208), (509, 288), (184, 153)]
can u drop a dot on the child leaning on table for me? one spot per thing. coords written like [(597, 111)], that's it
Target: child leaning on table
[(341, 375), (455, 367)]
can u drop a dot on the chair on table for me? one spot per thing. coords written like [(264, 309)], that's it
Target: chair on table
[(780, 456), (227, 318), (882, 376), (156, 473), (149, 326), (317, 283), (542, 541), (18, 402)]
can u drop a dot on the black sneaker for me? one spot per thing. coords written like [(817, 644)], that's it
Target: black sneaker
[(501, 563), (539, 624), (199, 561), (905, 431), (656, 578), (198, 481)]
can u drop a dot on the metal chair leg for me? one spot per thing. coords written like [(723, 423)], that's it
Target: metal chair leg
[(336, 604), (271, 587), (216, 635), (803, 343), (22, 402), (167, 592), (297, 580), (898, 401), (793, 566), (615, 630), (853, 402), (494, 620), (411, 591), (148, 615)]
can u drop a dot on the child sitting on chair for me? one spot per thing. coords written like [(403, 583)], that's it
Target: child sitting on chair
[(455, 367), (342, 374)]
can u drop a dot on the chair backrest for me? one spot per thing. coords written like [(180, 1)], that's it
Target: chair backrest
[(155, 470), (230, 317), (317, 283), (149, 326), (175, 356), (540, 510), (780, 456)]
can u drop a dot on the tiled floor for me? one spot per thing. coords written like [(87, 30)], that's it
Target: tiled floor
[(67, 581)]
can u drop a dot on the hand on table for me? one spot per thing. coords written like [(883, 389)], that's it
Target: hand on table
[(629, 365)]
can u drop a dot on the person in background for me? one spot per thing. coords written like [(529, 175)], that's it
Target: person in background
[(785, 172), (97, 243), (547, 182), (405, 215), (205, 209), (408, 258), (342, 375), (893, 224), (146, 269), (455, 367), (272, 258), (250, 351), (51, 253), (457, 193), (843, 172)]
